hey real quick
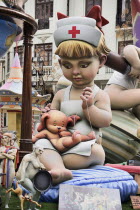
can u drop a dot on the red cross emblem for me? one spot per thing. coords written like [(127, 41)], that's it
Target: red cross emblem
[(73, 31)]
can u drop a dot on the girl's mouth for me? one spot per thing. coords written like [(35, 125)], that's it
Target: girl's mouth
[(77, 78)]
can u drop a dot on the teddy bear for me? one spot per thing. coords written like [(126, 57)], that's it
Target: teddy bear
[(53, 126)]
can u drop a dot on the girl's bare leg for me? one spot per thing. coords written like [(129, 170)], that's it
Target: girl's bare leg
[(74, 161), (54, 164), (122, 98)]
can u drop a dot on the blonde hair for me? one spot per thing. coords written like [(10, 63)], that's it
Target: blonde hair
[(79, 49)]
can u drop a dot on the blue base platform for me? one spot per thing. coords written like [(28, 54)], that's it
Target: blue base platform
[(97, 176)]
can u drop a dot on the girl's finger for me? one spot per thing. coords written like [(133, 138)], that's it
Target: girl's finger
[(87, 89), (83, 98), (87, 93)]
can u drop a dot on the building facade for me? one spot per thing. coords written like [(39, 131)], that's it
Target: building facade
[(45, 68)]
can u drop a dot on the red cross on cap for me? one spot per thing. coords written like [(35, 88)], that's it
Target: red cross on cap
[(73, 31)]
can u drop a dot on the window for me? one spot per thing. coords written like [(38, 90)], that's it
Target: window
[(20, 51), (122, 44), (5, 119), (91, 3), (124, 17), (43, 23), (3, 71), (68, 5), (43, 52), (8, 62), (44, 10)]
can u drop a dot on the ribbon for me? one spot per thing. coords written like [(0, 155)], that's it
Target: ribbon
[(94, 13)]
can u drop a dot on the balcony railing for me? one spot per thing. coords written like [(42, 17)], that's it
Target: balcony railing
[(109, 70), (2, 59), (47, 70)]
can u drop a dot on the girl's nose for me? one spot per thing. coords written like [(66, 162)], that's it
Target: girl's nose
[(76, 70)]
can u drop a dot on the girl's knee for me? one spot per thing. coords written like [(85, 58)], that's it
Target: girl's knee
[(98, 154)]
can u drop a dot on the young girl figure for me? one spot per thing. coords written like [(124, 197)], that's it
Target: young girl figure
[(122, 89), (82, 51)]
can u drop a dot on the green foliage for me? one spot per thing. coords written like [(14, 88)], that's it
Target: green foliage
[(14, 203)]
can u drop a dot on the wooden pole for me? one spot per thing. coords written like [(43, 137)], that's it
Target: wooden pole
[(30, 27), (26, 122)]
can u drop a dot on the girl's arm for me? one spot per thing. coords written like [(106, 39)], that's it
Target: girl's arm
[(132, 54), (98, 112), (57, 100)]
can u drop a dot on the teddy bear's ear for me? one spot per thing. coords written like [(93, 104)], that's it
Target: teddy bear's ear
[(45, 116), (73, 119), (42, 124)]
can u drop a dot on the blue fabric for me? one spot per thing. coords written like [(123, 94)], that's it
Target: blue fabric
[(97, 176), (25, 191)]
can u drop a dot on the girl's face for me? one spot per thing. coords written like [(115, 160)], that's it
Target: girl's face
[(81, 72)]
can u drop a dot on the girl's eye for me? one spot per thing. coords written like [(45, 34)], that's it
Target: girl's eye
[(84, 65), (67, 66), (54, 124)]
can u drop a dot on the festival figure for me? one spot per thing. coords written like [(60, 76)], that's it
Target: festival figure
[(19, 192), (82, 51), (8, 154), (22, 198), (29, 166), (16, 4), (122, 88)]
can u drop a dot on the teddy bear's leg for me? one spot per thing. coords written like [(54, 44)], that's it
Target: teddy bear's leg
[(72, 140), (91, 135), (88, 137)]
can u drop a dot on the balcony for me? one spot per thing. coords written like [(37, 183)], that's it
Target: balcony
[(2, 59)]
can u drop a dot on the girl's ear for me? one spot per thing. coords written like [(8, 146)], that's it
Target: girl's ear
[(102, 59)]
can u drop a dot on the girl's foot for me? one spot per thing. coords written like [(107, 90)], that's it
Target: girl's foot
[(60, 175)]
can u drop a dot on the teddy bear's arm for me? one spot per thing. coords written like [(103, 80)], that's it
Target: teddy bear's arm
[(40, 135), (65, 133)]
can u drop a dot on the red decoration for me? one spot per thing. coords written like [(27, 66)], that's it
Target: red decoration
[(61, 16), (129, 169), (94, 13), (73, 31), (135, 8)]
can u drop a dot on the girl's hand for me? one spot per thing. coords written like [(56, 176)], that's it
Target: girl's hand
[(135, 72), (132, 54), (46, 108), (87, 97)]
